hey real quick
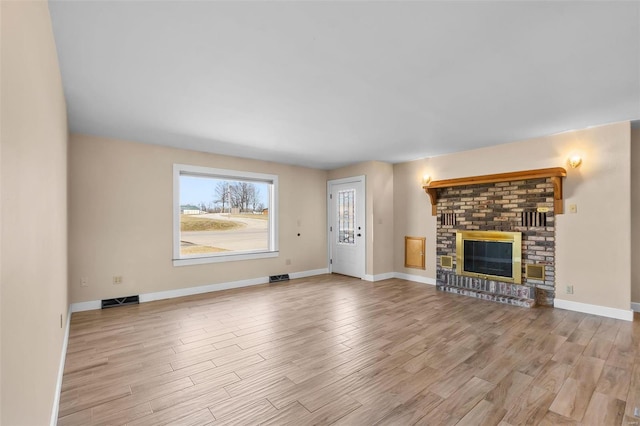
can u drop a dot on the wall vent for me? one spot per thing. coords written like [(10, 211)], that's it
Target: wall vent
[(278, 278), (120, 301), (448, 219), (535, 272), (446, 261), (534, 219)]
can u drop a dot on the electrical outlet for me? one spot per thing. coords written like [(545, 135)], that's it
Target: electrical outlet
[(117, 279), (569, 289), (84, 282)]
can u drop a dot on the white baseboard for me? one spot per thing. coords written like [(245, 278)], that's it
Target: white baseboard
[(603, 311), (389, 275), (63, 356), (311, 273), (416, 278), (86, 306), (189, 291), (379, 277), (635, 307)]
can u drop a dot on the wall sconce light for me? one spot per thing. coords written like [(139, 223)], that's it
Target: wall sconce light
[(574, 161), (426, 179)]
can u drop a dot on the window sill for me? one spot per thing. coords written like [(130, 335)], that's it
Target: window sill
[(224, 258)]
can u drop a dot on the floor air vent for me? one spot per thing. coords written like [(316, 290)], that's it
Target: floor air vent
[(120, 301), (278, 278)]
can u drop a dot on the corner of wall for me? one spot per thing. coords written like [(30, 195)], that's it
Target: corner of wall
[(635, 214)]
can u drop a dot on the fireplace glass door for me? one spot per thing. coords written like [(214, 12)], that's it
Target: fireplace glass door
[(489, 258)]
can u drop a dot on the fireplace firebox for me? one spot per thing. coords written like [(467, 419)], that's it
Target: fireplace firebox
[(492, 255)]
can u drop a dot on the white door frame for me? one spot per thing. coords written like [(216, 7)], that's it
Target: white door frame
[(360, 178)]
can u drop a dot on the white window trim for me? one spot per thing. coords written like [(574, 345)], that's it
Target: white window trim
[(232, 175)]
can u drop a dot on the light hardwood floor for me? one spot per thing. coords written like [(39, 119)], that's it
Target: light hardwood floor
[(336, 350)]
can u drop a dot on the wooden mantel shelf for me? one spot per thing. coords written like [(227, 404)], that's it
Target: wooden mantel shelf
[(555, 173)]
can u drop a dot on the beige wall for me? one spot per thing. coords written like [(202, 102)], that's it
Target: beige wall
[(412, 211), (121, 196), (635, 215), (379, 214), (33, 214), (593, 246)]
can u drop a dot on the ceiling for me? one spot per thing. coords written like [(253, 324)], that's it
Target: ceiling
[(329, 83)]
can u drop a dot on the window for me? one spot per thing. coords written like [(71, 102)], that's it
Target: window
[(346, 216), (223, 215)]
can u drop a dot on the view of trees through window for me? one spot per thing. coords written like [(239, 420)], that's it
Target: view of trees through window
[(223, 216)]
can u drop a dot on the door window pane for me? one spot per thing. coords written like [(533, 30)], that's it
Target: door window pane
[(346, 216)]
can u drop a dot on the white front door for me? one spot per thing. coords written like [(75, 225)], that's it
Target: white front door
[(347, 240)]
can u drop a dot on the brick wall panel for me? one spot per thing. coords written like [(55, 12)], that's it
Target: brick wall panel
[(498, 207)]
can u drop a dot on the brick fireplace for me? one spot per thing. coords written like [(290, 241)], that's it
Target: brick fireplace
[(526, 203)]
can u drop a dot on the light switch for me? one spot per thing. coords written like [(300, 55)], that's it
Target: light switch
[(573, 208)]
